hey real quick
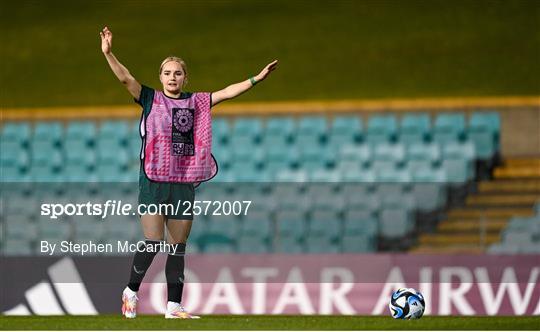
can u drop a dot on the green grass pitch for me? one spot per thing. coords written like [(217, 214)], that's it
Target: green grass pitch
[(237, 322)]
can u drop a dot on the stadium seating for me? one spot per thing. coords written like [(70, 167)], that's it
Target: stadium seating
[(521, 235), (381, 129), (328, 184), (415, 128)]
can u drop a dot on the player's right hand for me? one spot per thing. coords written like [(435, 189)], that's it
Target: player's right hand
[(106, 40)]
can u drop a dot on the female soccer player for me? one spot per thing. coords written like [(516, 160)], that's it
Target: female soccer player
[(175, 155)]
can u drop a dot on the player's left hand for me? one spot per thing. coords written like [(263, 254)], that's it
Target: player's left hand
[(266, 71)]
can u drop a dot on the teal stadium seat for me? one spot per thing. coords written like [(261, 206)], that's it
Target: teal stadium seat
[(358, 197), (18, 132), (422, 155), (279, 157), (228, 226), (394, 175), (312, 126), (321, 244), (360, 221), (52, 230), (288, 201), (113, 133), (395, 217), (249, 245), (13, 155), (526, 224), (357, 243), (250, 174), (518, 237), (388, 156), (257, 224), (135, 128), (530, 248), (493, 119), (395, 195), (221, 130), (81, 155), (285, 191), (311, 131), (352, 156), (112, 156), (80, 131), (20, 228), (245, 154), (395, 223), (223, 176), (458, 161), (18, 203), (287, 245), (313, 158), (254, 190), (381, 129), (43, 173), (282, 127), (112, 143), (48, 131), (429, 190), (75, 146), (415, 128), (449, 127), (323, 189), (325, 175), (77, 173), (88, 228), (367, 175), (134, 147), (242, 147), (198, 229), (334, 203), (324, 223), (248, 127), (307, 139), (290, 223), (216, 243), (299, 176), (219, 248), (221, 154), (46, 157), (503, 248), (12, 173), (483, 131), (346, 129), (274, 141), (17, 248), (110, 173), (352, 189)]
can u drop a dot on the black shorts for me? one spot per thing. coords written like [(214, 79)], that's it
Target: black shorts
[(179, 197)]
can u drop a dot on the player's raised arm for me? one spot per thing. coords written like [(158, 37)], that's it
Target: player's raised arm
[(237, 89), (118, 69)]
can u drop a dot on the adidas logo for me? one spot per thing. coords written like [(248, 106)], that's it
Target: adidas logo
[(70, 298)]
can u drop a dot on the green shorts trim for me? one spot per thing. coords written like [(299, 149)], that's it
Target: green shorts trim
[(180, 197)]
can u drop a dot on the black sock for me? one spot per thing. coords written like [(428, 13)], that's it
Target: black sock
[(174, 271), (141, 262)]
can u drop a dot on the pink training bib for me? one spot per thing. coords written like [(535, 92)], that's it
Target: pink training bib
[(178, 139)]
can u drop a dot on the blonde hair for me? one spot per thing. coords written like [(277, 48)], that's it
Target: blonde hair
[(179, 61)]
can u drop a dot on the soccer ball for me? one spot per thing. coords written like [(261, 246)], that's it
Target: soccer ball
[(407, 303)]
